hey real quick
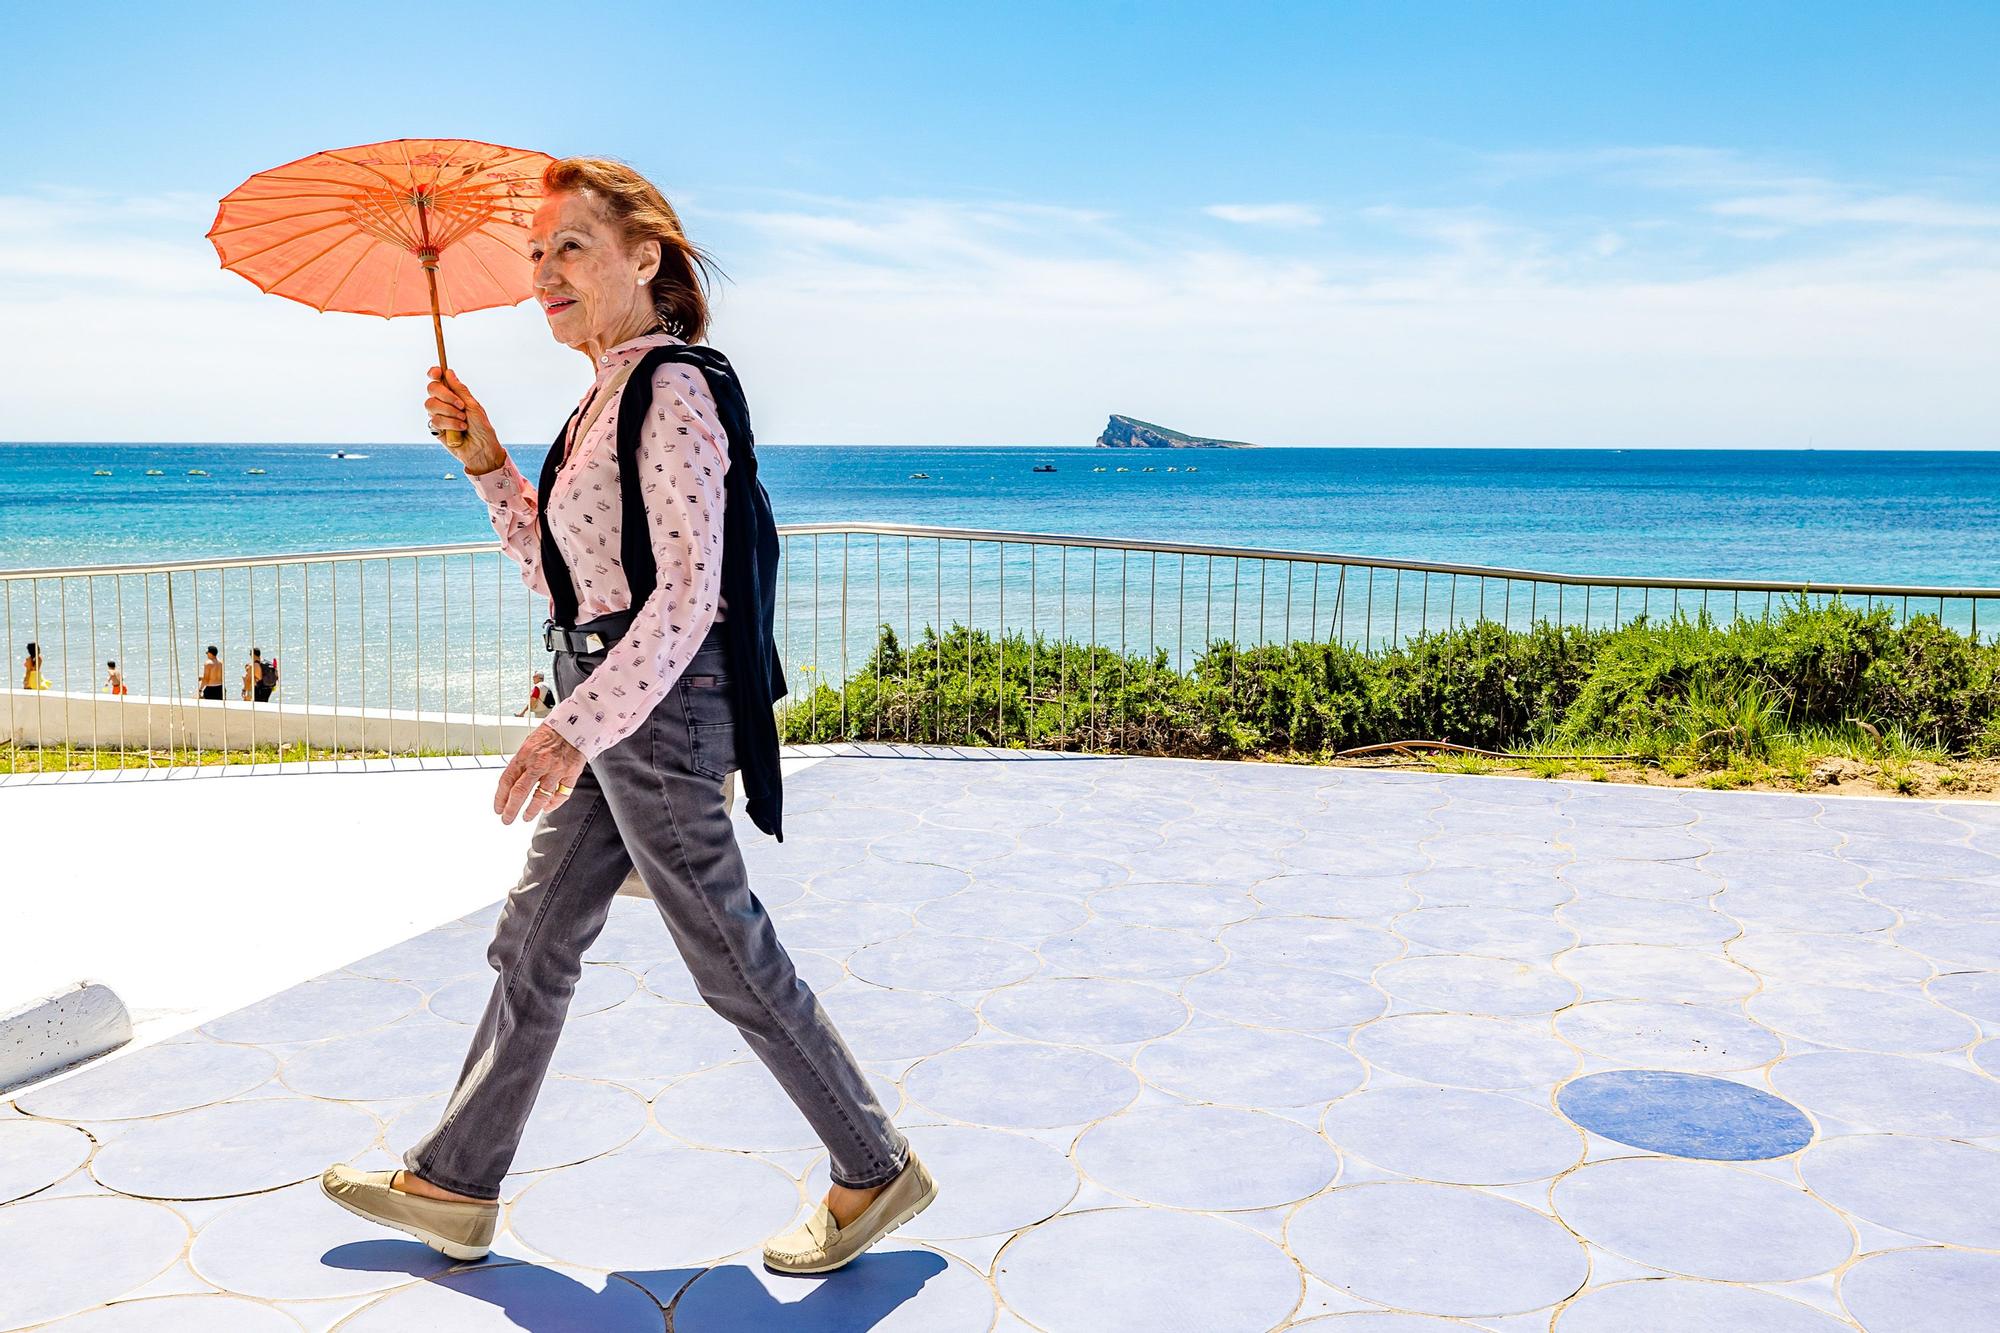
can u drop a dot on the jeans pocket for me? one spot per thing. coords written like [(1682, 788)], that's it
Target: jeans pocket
[(711, 719)]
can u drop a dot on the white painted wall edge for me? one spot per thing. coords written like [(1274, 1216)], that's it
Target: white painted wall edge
[(48, 1035)]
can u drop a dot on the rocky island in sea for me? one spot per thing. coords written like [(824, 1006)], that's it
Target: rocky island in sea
[(1131, 433)]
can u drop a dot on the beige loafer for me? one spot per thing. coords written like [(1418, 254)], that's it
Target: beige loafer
[(821, 1244), (458, 1230)]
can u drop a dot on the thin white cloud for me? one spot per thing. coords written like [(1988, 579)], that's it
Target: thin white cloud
[(1265, 215)]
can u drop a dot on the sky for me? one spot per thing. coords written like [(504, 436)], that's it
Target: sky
[(1637, 225)]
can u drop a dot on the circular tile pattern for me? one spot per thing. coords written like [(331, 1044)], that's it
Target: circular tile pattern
[(1479, 886), (1685, 1115), (1974, 994), (615, 1212), (1671, 1303), (1331, 895), (1318, 943), (1023, 916), (1056, 1277), (506, 1298), (1649, 972), (874, 880), (1250, 1067), (35, 1154), (1692, 1038), (1932, 1188), (895, 1288), (741, 1108), (1862, 1020), (1831, 960), (82, 1252), (932, 962), (1426, 1133), (313, 1010), (1273, 995), (293, 1245), (1382, 1241), (233, 1148), (1210, 1158), (1677, 881), (824, 923), (1084, 1011), (1463, 1051), (1606, 920), (1021, 1085), (1133, 953), (1922, 1291), (1891, 1093), (600, 986), (1457, 983), (1000, 1182), (434, 956), (647, 1040), (1495, 932), (172, 1314), (413, 1058), (154, 1080), (882, 1024), (1703, 1219)]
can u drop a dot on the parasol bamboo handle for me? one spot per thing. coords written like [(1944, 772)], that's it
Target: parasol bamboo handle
[(451, 438)]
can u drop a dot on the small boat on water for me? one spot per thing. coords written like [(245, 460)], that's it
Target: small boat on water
[(1045, 467), (1190, 467), (451, 476), (1145, 469), (196, 472), (1173, 469), (920, 476), (254, 472), (1097, 469), (1121, 469), (102, 472), (155, 472), (342, 453)]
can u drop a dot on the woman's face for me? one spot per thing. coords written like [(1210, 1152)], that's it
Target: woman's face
[(591, 287)]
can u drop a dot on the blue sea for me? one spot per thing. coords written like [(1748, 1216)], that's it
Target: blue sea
[(1886, 517), (462, 634)]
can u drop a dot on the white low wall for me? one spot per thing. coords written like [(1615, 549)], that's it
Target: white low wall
[(137, 722)]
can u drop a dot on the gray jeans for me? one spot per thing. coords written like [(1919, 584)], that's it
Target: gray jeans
[(653, 802)]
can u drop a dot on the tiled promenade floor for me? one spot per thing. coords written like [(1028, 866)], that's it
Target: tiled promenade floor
[(1189, 1046)]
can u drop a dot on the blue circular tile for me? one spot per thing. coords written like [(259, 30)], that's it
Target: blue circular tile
[(647, 1039), (1685, 1115), (1084, 1011), (1987, 1056), (1021, 1085), (1495, 932), (1461, 984), (83, 1252), (599, 987), (992, 811), (1208, 1158), (1689, 1038), (1649, 972), (173, 1314), (154, 1080), (999, 1182), (1333, 895), (314, 1010), (1893, 1094), (1703, 1219), (814, 922), (1677, 1303), (1234, 1065), (1344, 854), (1955, 945), (1974, 994), (1761, 908), (506, 1298), (1466, 1051), (931, 962), (1202, 908), (934, 844), (1800, 870), (895, 1287), (654, 1207), (292, 1244), (35, 1154), (1950, 899), (1675, 881), (1023, 916), (1832, 960), (1922, 1291), (1932, 1188), (412, 1058), (1275, 996), (1382, 1242), (1421, 1132), (233, 1148), (1599, 919), (1057, 1278)]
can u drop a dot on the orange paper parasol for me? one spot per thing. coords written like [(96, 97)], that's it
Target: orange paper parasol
[(352, 229)]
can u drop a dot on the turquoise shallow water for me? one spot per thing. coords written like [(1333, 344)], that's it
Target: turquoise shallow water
[(1882, 517), (462, 633)]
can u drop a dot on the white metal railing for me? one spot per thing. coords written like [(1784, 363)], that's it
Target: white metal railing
[(415, 648)]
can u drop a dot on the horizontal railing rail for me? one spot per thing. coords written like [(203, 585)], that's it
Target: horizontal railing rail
[(426, 648)]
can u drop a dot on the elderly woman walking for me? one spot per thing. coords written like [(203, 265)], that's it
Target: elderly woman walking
[(636, 535)]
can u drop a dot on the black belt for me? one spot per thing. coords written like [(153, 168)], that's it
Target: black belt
[(594, 636)]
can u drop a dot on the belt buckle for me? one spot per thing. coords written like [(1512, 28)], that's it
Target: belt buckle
[(549, 634)]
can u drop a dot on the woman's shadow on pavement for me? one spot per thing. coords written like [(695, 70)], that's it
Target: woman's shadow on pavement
[(731, 1298)]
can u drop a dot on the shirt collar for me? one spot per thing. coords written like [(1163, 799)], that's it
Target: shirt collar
[(633, 347)]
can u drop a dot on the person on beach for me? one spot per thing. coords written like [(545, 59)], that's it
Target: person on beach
[(626, 536), (540, 699), (31, 670), (211, 674), (114, 679), (260, 676)]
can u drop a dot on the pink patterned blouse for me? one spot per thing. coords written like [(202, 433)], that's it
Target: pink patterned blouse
[(684, 453)]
